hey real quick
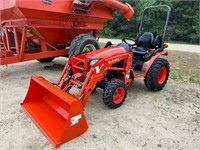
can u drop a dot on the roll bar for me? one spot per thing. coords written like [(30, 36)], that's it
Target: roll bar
[(166, 22)]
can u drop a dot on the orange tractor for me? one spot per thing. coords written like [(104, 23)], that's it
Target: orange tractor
[(45, 29), (59, 113)]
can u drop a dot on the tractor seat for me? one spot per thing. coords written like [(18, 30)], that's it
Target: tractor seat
[(144, 43)]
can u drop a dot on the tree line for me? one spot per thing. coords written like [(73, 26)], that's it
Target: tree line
[(184, 24)]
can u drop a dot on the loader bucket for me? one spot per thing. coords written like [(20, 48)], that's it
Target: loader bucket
[(58, 115)]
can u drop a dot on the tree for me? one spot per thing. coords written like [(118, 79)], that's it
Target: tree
[(183, 26)]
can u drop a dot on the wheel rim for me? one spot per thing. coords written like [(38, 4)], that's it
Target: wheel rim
[(162, 75), (118, 95), (89, 48)]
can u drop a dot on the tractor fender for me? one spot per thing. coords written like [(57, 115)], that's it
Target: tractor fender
[(146, 66)]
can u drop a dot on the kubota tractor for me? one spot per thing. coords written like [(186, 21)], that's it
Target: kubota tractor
[(59, 113)]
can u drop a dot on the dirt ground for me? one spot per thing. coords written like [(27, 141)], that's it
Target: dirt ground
[(167, 120)]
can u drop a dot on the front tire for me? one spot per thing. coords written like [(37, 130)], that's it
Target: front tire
[(114, 94), (157, 75)]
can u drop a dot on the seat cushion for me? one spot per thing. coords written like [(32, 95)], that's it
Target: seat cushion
[(140, 50)]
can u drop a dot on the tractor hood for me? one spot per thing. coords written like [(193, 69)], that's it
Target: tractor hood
[(105, 53)]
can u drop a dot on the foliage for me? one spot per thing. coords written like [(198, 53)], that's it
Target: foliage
[(183, 26)]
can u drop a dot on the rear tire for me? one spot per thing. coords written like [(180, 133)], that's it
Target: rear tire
[(157, 75), (83, 43), (46, 60), (114, 94)]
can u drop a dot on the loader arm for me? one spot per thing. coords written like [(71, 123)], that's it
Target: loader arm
[(93, 75)]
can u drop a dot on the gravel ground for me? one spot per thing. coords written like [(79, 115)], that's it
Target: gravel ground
[(169, 119)]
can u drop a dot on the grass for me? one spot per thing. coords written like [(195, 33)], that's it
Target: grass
[(185, 75)]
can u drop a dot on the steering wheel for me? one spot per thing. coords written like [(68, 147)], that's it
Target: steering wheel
[(130, 40)]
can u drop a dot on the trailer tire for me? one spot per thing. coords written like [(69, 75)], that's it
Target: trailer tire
[(158, 74), (114, 94), (46, 60), (81, 44)]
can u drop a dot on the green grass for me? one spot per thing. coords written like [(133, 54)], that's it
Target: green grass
[(186, 76)]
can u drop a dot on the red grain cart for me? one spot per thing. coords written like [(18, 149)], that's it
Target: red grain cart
[(44, 29)]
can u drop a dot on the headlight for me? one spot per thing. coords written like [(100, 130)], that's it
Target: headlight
[(92, 62)]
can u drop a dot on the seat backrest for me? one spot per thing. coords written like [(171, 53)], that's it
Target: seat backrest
[(157, 43), (145, 40)]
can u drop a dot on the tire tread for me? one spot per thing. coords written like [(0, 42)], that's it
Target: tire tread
[(109, 92), (151, 78)]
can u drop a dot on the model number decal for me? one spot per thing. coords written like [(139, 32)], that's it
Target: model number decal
[(48, 2), (75, 119)]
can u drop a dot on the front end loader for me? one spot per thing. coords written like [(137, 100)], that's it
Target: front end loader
[(58, 112)]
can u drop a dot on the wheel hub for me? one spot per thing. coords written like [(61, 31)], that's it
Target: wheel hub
[(89, 48), (118, 95), (162, 75)]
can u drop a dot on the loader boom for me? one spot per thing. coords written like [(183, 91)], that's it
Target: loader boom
[(93, 75)]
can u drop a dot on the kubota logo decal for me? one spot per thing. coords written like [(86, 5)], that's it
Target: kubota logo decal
[(114, 61)]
